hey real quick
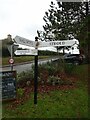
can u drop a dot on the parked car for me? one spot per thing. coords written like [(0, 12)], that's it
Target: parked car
[(73, 58)]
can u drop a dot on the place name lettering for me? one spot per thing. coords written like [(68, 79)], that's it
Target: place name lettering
[(57, 43), (25, 41)]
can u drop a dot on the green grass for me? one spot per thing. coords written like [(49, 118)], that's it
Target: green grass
[(58, 104), (71, 103), (82, 72)]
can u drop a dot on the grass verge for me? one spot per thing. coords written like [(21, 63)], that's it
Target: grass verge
[(66, 103), (56, 104), (5, 60)]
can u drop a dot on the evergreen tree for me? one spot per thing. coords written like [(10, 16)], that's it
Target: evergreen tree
[(5, 42), (66, 18)]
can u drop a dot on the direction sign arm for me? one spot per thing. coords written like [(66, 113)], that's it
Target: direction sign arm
[(56, 43), (24, 41), (36, 44)]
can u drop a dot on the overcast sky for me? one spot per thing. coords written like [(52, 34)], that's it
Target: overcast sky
[(22, 17)]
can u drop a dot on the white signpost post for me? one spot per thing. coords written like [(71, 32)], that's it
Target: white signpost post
[(36, 44)]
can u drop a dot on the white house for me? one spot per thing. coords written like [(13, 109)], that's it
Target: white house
[(74, 49)]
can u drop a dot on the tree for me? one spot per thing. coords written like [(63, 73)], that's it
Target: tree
[(5, 42), (85, 32), (66, 18)]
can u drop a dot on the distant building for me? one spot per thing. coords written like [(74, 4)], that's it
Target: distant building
[(74, 49)]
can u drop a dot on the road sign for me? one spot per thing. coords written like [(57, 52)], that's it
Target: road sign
[(29, 43), (15, 46), (26, 52), (24, 41), (56, 43), (38, 44), (11, 61)]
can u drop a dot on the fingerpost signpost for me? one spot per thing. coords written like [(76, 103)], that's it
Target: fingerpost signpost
[(36, 44), (36, 73)]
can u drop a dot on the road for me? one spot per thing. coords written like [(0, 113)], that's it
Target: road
[(27, 66)]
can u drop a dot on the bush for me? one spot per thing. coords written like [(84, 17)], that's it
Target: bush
[(55, 80), (68, 68), (47, 73), (51, 67), (20, 92), (24, 78)]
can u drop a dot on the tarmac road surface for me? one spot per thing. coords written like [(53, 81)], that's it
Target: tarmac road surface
[(26, 66)]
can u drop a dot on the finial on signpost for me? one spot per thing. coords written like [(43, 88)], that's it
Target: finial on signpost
[(36, 38), (37, 43)]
